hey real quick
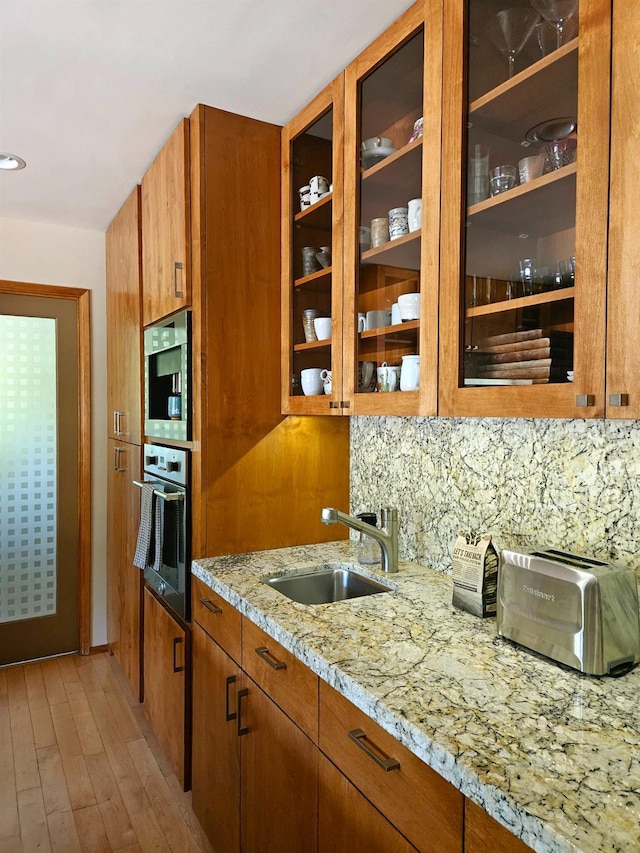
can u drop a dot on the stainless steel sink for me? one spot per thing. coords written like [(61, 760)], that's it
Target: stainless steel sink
[(325, 585)]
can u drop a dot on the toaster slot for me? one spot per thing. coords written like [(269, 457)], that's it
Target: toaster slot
[(569, 559)]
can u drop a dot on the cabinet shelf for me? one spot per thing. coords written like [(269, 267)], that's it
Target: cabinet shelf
[(540, 207), (321, 276), (522, 302), (312, 345), (402, 252), (317, 216), (545, 90), (394, 334)]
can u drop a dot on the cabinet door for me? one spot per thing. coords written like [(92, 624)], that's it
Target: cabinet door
[(166, 658), (124, 323), (124, 580), (312, 147), (279, 779), (623, 305), (166, 223), (348, 823), (523, 261), (483, 834), (393, 112), (216, 745)]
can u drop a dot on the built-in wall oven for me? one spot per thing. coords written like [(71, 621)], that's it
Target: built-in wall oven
[(167, 378), (165, 527)]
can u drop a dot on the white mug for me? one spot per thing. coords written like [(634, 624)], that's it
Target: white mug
[(414, 214), (377, 319), (410, 373), (395, 314), (388, 377), (318, 185), (362, 322), (311, 381), (322, 326), (326, 377)]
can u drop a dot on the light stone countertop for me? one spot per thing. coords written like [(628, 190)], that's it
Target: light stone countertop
[(551, 754)]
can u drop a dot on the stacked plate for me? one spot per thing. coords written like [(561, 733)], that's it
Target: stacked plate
[(371, 156), (535, 354)]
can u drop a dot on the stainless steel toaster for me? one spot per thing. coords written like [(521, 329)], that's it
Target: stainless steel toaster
[(573, 609)]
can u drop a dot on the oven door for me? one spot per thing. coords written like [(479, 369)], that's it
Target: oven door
[(167, 571)]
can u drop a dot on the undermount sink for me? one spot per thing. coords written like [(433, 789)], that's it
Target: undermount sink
[(326, 585)]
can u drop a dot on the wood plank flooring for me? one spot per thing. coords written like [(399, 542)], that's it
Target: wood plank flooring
[(80, 768)]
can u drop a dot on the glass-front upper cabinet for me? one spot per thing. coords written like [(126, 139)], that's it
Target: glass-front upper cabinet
[(392, 202), (526, 117), (312, 249)]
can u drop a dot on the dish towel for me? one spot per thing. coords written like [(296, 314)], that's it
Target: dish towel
[(158, 534), (145, 531)]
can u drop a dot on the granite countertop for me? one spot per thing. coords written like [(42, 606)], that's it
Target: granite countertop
[(551, 754)]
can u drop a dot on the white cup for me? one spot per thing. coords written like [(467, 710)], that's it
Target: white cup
[(318, 185), (398, 222), (328, 381), (395, 314), (410, 373), (388, 377), (311, 381), (377, 319), (409, 306), (362, 322), (322, 326), (414, 214)]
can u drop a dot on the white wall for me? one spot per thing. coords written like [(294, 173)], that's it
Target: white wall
[(72, 257)]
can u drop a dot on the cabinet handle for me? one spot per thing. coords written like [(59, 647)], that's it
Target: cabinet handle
[(585, 400), (618, 399), (116, 459), (176, 642), (264, 653), (210, 606), (229, 715), (177, 265), (360, 739), (115, 423), (242, 730)]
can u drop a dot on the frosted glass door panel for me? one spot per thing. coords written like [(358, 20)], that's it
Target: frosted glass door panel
[(28, 465)]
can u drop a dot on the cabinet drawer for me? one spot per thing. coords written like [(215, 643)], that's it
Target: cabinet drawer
[(219, 619), (291, 684), (419, 802)]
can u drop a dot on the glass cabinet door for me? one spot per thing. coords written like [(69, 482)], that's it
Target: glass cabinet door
[(392, 176), (312, 248), (524, 256)]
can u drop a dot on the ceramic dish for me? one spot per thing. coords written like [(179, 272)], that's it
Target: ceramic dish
[(375, 155)]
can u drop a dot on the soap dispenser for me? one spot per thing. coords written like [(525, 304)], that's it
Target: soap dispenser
[(368, 548)]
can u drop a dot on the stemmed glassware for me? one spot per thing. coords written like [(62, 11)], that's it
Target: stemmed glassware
[(557, 12), (510, 29)]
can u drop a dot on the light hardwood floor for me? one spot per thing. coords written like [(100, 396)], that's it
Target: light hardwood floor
[(80, 768)]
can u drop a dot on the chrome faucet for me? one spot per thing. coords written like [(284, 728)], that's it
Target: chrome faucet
[(386, 537)]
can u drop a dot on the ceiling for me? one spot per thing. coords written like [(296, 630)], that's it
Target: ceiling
[(91, 89)]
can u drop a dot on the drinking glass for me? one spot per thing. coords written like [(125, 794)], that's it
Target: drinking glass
[(502, 178), (557, 12), (510, 30)]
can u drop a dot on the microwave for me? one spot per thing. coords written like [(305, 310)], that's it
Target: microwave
[(167, 378)]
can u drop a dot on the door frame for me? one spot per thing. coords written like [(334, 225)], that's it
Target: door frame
[(81, 298)]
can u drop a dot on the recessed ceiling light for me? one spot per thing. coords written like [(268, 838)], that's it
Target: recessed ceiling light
[(10, 161)]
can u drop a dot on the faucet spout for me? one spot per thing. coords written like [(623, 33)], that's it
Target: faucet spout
[(386, 537)]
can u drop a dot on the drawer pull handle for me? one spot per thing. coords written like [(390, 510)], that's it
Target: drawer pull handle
[(177, 641), (210, 606), (229, 715), (242, 730), (360, 738), (264, 653)]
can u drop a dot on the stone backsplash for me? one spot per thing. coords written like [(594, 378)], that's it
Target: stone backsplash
[(571, 484)]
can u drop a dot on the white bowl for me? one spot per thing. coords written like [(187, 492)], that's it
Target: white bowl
[(376, 142), (409, 306), (374, 155)]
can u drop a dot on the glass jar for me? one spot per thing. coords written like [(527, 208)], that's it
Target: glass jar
[(368, 548)]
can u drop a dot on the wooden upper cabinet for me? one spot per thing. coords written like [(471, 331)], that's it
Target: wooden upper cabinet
[(124, 335), (391, 86), (523, 271), (623, 305), (166, 224), (312, 146)]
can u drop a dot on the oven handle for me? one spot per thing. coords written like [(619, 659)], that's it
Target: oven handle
[(166, 496)]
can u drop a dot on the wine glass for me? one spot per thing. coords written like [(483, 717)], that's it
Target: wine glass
[(557, 12), (509, 30)]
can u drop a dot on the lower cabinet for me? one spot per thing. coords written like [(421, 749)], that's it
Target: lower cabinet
[(483, 834), (166, 670)]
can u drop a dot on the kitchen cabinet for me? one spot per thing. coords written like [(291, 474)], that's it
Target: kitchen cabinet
[(483, 834), (167, 703), (166, 229), (520, 339), (390, 776), (124, 580), (242, 737), (124, 327), (394, 83), (347, 822)]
